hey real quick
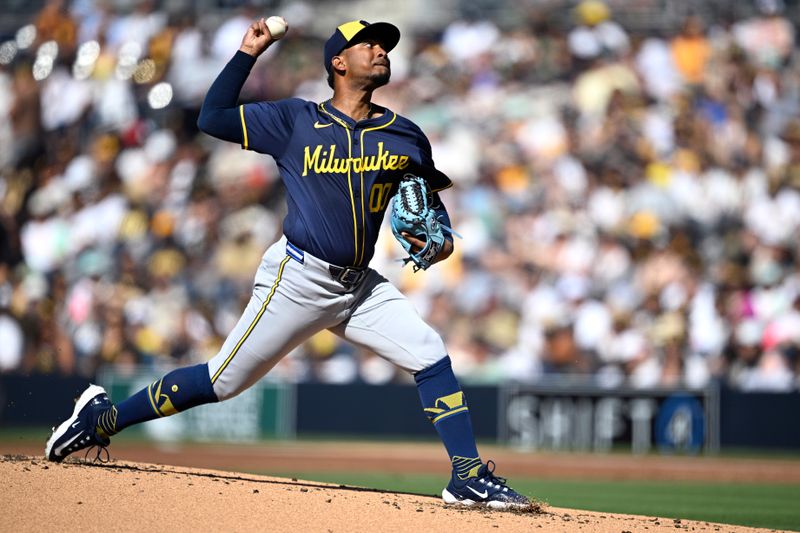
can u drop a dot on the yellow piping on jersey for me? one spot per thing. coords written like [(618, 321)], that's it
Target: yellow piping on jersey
[(352, 197), (347, 128), (363, 225), (253, 323), (244, 127), (442, 188), (336, 119)]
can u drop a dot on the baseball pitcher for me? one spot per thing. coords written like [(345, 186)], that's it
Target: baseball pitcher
[(342, 161)]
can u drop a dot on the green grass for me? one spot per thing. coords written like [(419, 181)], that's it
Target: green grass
[(770, 506)]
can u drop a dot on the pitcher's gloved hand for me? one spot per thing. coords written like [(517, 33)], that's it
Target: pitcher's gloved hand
[(412, 215)]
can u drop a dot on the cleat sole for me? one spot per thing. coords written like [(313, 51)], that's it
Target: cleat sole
[(450, 499)]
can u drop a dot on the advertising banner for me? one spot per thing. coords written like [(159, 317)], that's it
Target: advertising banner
[(587, 418)]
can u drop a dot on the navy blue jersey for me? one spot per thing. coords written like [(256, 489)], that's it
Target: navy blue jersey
[(339, 174)]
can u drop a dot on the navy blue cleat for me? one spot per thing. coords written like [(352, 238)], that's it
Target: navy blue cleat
[(484, 489), (80, 430)]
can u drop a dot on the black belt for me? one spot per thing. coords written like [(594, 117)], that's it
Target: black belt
[(347, 276)]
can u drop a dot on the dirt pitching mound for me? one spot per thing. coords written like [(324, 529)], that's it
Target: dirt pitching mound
[(123, 496)]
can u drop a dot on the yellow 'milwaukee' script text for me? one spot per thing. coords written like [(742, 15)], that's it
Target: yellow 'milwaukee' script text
[(325, 161)]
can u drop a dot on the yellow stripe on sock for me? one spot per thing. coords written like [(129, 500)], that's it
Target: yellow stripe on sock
[(473, 472), (252, 324), (152, 402), (466, 467), (107, 423), (449, 413)]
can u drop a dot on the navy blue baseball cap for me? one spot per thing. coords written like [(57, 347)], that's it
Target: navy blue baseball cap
[(355, 31)]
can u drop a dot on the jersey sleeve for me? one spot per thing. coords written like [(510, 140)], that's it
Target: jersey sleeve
[(442, 216), (267, 126), (437, 179), (219, 115)]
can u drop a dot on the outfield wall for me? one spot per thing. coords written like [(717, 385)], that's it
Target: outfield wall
[(561, 416)]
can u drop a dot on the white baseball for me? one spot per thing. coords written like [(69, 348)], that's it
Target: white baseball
[(277, 27)]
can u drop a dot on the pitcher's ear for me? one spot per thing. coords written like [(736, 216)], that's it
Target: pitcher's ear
[(338, 63)]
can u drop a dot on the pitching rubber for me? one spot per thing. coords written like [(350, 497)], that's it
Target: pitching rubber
[(85, 398)]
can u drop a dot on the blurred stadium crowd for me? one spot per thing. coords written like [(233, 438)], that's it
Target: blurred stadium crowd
[(630, 199)]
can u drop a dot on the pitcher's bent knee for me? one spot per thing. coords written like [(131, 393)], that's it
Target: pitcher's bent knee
[(427, 353)]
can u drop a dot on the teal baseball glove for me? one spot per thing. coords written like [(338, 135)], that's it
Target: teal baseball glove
[(412, 214)]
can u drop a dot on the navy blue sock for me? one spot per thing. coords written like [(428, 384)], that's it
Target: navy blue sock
[(445, 406), (179, 390)]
